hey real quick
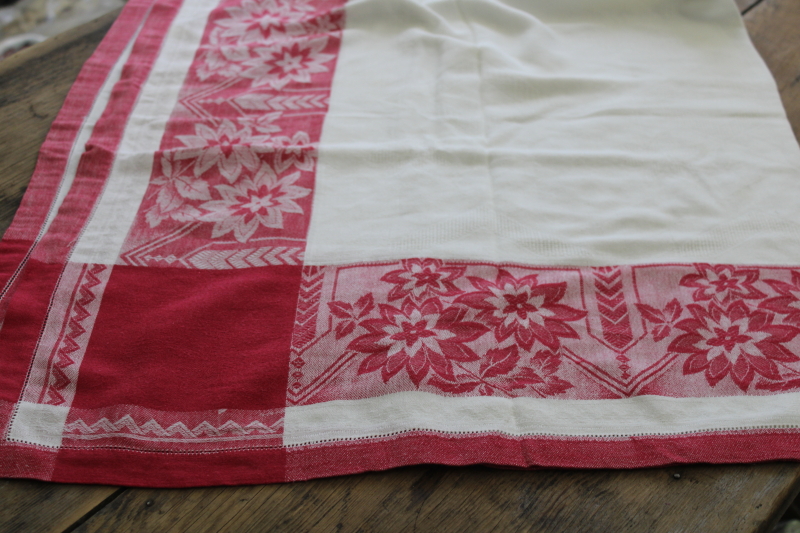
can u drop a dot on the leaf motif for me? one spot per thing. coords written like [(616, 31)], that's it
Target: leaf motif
[(166, 165), (499, 362), (556, 385), (674, 310), (651, 314), (186, 213), (342, 310), (372, 363), (685, 343), (453, 388), (370, 342), (366, 303), (778, 386), (193, 189), (153, 216), (526, 376), (547, 361), (661, 332), (344, 329), (167, 200)]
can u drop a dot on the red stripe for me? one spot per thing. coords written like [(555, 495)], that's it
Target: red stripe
[(23, 324), (351, 457)]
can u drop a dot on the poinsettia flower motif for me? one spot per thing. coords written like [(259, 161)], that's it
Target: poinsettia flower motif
[(256, 20), (663, 320), (423, 278), (788, 303), (284, 62), (524, 308), (251, 203), (174, 190), (723, 283), (419, 338), (298, 151), (350, 314), (229, 147), (220, 58), (735, 341)]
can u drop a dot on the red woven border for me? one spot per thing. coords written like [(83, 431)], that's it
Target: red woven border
[(350, 457)]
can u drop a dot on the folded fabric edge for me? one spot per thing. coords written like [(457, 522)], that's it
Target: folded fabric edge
[(60, 152)]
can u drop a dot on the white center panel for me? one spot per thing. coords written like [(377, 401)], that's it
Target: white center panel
[(554, 133)]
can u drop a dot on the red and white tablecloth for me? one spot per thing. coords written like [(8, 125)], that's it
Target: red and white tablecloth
[(270, 240)]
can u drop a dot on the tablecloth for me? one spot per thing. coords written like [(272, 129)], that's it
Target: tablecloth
[(272, 240)]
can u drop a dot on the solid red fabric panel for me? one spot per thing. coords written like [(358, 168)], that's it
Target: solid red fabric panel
[(23, 324), (191, 340)]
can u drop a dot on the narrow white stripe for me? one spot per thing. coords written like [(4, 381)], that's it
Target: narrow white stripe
[(642, 415), (79, 146), (103, 237)]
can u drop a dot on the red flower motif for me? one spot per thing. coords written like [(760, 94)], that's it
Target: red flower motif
[(419, 338), (663, 321), (420, 278), (255, 20), (723, 283), (282, 62), (523, 308), (788, 303), (735, 341)]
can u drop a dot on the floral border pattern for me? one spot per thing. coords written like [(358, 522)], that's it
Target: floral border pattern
[(458, 328)]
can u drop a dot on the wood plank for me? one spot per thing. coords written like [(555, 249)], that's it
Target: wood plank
[(739, 498), (29, 505), (774, 27), (33, 85)]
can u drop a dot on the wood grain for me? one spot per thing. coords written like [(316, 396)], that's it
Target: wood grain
[(734, 498), (729, 499), (33, 84), (29, 505), (774, 27)]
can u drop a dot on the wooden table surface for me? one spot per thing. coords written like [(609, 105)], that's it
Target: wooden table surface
[(733, 498)]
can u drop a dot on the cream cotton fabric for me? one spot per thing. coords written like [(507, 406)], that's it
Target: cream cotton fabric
[(570, 132)]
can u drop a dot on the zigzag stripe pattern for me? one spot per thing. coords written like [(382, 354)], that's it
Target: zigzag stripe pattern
[(614, 317), (305, 323), (128, 426), (58, 380), (246, 258), (266, 102)]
